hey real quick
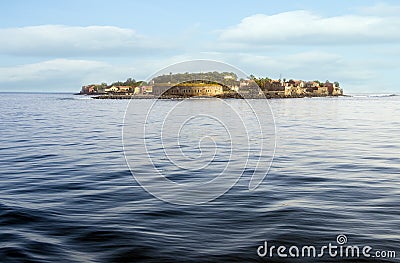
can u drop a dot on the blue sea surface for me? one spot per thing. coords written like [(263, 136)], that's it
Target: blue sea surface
[(67, 194)]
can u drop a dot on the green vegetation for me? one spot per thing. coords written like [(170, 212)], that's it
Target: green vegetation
[(225, 78), (267, 83), (129, 82)]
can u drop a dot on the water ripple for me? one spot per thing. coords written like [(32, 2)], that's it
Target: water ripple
[(66, 194)]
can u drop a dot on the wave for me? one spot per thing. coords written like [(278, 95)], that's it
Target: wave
[(373, 95), (82, 98)]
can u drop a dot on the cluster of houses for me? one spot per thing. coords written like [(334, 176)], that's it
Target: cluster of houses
[(301, 88), (100, 89), (250, 88), (286, 89)]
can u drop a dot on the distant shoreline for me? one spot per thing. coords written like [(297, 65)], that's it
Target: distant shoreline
[(212, 84)]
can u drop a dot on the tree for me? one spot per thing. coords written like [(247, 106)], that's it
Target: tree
[(130, 82)]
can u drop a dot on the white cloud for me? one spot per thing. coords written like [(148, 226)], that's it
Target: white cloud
[(306, 28), (381, 9), (60, 40), (354, 75), (61, 74), (48, 69), (304, 65), (71, 74)]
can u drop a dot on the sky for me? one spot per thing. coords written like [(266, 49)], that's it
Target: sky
[(58, 46)]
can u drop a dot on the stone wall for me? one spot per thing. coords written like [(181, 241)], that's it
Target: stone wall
[(188, 91)]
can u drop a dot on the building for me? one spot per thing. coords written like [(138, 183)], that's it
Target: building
[(111, 89), (337, 91), (295, 91), (147, 89), (137, 91), (93, 89), (119, 89), (295, 83), (125, 89), (188, 90)]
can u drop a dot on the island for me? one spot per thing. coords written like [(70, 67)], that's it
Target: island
[(211, 84)]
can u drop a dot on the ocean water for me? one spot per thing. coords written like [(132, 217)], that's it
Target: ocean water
[(67, 194)]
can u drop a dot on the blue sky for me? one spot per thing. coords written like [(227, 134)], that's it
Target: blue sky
[(62, 45)]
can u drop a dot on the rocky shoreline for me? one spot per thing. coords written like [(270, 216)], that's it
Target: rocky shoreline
[(227, 96), (122, 97)]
